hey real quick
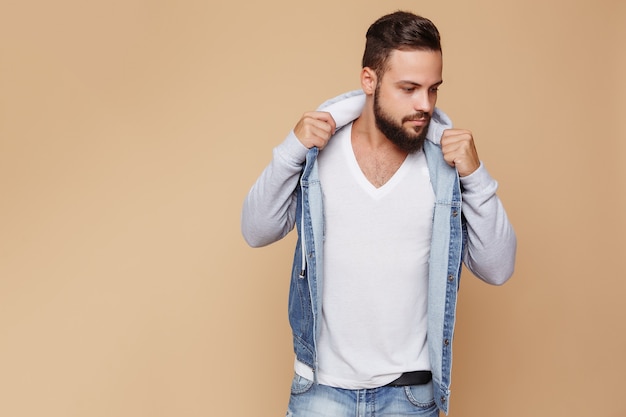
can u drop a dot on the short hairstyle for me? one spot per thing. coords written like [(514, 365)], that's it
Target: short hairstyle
[(400, 30)]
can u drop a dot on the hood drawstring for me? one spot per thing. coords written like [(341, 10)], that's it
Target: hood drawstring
[(302, 238)]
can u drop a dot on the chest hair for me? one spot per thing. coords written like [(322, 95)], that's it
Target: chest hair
[(379, 165)]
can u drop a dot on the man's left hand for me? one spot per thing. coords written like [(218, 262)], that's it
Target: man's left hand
[(459, 151)]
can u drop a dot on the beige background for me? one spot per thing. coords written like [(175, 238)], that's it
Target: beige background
[(130, 131)]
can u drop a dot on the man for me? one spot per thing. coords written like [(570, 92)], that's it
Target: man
[(389, 200)]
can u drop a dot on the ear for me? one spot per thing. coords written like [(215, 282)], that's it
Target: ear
[(368, 80)]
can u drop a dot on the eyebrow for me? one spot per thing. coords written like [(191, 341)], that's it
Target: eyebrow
[(437, 84)]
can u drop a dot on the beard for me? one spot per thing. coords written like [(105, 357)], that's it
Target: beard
[(408, 140)]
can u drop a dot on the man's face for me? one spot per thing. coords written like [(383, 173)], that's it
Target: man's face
[(405, 97)]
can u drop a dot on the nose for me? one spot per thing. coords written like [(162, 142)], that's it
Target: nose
[(423, 101)]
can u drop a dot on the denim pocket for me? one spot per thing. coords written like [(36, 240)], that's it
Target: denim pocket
[(300, 385), (420, 395)]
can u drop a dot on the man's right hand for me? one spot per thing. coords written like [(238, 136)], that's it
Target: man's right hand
[(315, 129)]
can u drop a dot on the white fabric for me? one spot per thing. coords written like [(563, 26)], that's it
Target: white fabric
[(377, 243)]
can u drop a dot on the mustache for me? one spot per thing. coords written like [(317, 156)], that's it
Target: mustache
[(420, 115)]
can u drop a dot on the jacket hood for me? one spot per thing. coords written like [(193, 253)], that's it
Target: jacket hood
[(347, 107)]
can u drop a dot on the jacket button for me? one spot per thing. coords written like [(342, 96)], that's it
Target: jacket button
[(443, 399), (454, 213), (450, 277), (446, 342)]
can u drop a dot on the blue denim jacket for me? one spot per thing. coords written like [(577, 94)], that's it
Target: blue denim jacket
[(448, 239)]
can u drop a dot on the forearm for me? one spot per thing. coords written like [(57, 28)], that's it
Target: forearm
[(269, 208), (491, 242)]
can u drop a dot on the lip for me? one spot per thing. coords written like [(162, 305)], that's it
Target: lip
[(418, 122)]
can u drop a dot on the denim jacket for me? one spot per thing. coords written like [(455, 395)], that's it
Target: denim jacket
[(448, 248)]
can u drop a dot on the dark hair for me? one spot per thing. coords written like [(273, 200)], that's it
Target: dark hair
[(399, 30)]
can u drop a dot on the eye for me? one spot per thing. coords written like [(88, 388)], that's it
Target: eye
[(408, 89), (434, 89)]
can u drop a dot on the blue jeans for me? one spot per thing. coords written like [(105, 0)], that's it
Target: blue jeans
[(314, 400)]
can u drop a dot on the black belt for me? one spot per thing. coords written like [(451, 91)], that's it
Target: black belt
[(412, 378)]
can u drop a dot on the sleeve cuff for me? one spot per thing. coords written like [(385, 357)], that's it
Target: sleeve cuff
[(479, 181), (292, 150)]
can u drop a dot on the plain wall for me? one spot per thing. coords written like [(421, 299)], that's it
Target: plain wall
[(130, 132)]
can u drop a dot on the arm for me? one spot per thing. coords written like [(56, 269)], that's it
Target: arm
[(269, 208), (491, 243)]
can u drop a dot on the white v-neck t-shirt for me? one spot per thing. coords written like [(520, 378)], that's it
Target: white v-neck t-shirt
[(376, 251)]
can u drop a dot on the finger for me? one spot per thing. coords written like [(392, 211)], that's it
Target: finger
[(324, 128), (461, 156), (319, 137), (315, 129), (451, 136), (324, 117)]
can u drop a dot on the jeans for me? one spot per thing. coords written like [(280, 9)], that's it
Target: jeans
[(314, 400)]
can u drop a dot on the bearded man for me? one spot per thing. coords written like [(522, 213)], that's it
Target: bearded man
[(389, 200)]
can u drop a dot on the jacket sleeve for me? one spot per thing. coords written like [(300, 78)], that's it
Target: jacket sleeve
[(269, 208), (491, 241)]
